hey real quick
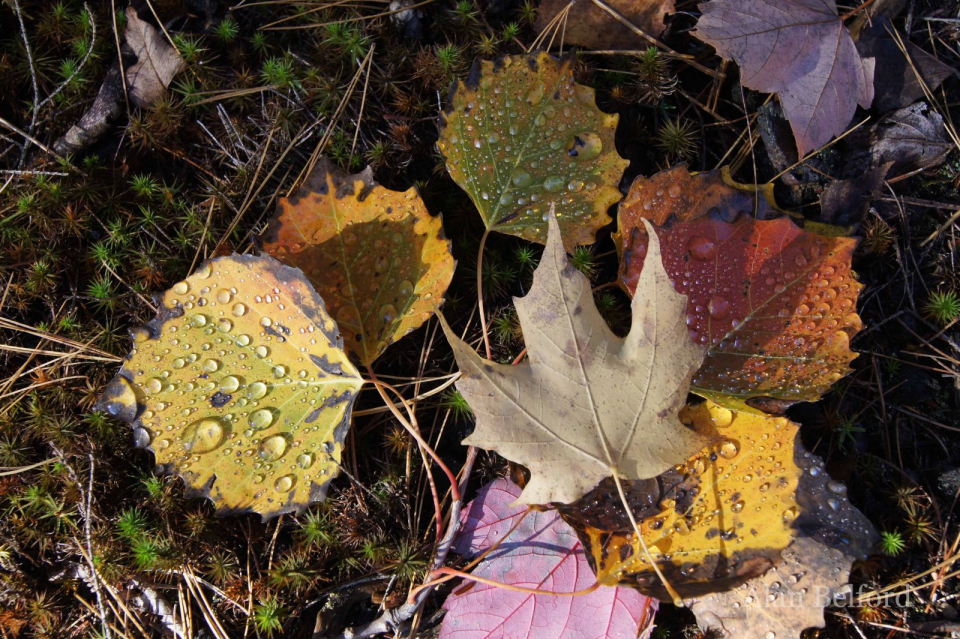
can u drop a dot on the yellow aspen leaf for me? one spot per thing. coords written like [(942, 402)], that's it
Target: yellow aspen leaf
[(712, 522), (585, 404), (520, 136), (376, 256), (813, 571), (240, 385)]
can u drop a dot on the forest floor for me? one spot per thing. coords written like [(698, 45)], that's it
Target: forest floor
[(91, 227)]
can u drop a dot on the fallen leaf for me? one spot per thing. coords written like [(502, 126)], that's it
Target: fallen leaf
[(812, 572), (240, 385), (157, 62), (543, 553), (376, 256), (520, 136), (588, 25), (774, 304), (895, 83), (585, 403), (845, 202), (798, 49), (910, 138), (715, 521)]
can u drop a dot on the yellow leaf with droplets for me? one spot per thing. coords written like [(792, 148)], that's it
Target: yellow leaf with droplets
[(376, 256), (711, 523), (241, 386), (520, 135)]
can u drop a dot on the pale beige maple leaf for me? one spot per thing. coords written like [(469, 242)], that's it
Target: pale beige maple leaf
[(586, 403)]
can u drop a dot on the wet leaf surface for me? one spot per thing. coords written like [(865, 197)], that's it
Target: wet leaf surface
[(520, 135), (798, 49), (812, 571), (542, 552), (585, 401), (377, 257), (774, 304), (241, 387), (711, 523)]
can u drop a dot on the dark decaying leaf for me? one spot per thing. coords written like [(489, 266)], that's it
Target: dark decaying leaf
[(543, 553), (377, 257), (844, 202), (157, 62), (910, 138), (774, 304), (895, 83), (519, 136), (588, 25), (241, 386), (798, 49)]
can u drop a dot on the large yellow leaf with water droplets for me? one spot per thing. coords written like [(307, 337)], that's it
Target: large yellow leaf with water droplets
[(377, 257), (241, 386), (711, 523), (519, 135)]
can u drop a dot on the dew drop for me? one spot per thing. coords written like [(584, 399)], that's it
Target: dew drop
[(256, 390), (729, 449), (279, 370), (153, 385), (305, 460), (521, 179), (285, 483), (229, 384), (719, 307), (211, 365), (388, 313), (261, 351), (181, 288), (203, 436), (701, 248), (553, 184), (239, 309), (272, 448), (260, 419)]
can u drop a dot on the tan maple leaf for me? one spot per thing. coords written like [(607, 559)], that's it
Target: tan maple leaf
[(586, 404), (157, 62)]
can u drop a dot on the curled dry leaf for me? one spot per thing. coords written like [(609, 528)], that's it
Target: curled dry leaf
[(715, 521), (813, 571), (543, 553), (376, 256), (520, 136), (588, 25), (774, 304), (157, 62), (586, 403), (241, 386), (798, 49)]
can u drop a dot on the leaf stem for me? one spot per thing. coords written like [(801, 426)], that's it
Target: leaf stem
[(533, 591), (677, 600), (483, 316), (412, 427)]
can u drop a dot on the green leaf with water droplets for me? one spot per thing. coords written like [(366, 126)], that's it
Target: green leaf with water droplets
[(240, 385), (520, 135)]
